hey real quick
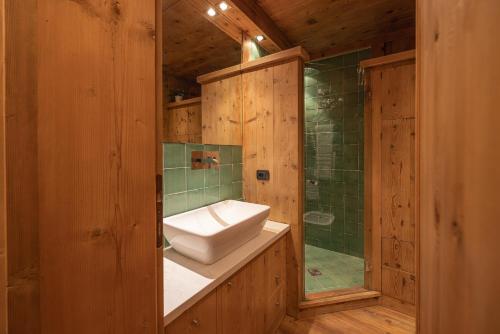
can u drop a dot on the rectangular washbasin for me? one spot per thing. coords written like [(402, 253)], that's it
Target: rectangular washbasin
[(210, 233)]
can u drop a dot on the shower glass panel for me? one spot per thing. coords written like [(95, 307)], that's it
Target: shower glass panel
[(334, 194)]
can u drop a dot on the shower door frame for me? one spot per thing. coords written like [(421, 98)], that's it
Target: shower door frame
[(368, 294)]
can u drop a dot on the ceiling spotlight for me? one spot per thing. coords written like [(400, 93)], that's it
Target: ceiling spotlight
[(211, 12), (259, 38), (223, 6)]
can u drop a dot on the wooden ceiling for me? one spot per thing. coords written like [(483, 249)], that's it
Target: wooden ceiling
[(319, 25), (195, 44), (192, 45)]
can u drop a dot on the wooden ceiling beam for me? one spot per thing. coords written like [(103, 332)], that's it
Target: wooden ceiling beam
[(244, 18)]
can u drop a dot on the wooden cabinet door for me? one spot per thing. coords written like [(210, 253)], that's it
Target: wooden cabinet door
[(199, 319), (253, 300), (235, 306), (275, 282)]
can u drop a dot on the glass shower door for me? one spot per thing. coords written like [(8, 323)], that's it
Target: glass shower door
[(334, 194)]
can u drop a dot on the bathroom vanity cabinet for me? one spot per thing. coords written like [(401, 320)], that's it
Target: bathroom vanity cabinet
[(251, 301)]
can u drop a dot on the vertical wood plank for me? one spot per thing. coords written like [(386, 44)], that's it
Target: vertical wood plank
[(398, 179), (259, 126), (21, 49), (392, 182), (288, 146), (250, 133), (209, 111), (97, 162), (3, 190), (222, 111), (272, 140), (459, 180)]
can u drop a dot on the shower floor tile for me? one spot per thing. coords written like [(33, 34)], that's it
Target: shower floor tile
[(327, 270)]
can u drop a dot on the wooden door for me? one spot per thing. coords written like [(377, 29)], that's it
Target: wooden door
[(96, 145), (391, 179), (459, 85)]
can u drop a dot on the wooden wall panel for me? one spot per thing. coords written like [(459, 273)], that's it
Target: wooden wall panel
[(391, 99), (3, 190), (222, 112), (272, 140), (96, 166), (183, 124), (21, 165), (459, 76), (258, 141)]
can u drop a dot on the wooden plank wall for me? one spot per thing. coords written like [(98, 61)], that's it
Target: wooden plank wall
[(21, 166), (183, 124), (221, 111), (96, 166), (272, 140), (392, 90), (459, 76), (3, 190)]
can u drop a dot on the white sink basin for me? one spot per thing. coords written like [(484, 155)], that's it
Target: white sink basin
[(210, 233)]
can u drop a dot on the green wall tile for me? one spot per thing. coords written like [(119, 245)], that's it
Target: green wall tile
[(174, 155), (195, 178), (195, 199), (212, 195), (237, 154), (226, 191), (226, 174), (212, 177), (187, 189), (226, 154), (237, 190), (237, 172), (175, 204), (175, 180)]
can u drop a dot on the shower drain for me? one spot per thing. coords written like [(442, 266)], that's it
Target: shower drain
[(314, 271)]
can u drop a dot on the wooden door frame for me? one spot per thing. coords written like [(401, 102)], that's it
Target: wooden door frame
[(372, 179), (3, 190), (159, 161)]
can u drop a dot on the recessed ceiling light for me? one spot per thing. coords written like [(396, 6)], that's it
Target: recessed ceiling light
[(211, 12), (223, 6), (260, 38)]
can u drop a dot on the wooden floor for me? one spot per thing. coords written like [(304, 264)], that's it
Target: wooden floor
[(375, 319)]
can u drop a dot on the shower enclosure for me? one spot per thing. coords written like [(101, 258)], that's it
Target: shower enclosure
[(333, 183)]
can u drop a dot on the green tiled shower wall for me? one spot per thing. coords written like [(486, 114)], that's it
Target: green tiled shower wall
[(334, 104), (186, 189)]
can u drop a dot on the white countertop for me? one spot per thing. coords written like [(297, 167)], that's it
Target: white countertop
[(186, 281)]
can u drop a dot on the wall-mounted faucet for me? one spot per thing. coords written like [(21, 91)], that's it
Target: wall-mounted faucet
[(205, 159)]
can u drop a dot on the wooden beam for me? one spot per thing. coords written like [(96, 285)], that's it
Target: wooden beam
[(242, 18), (262, 23)]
